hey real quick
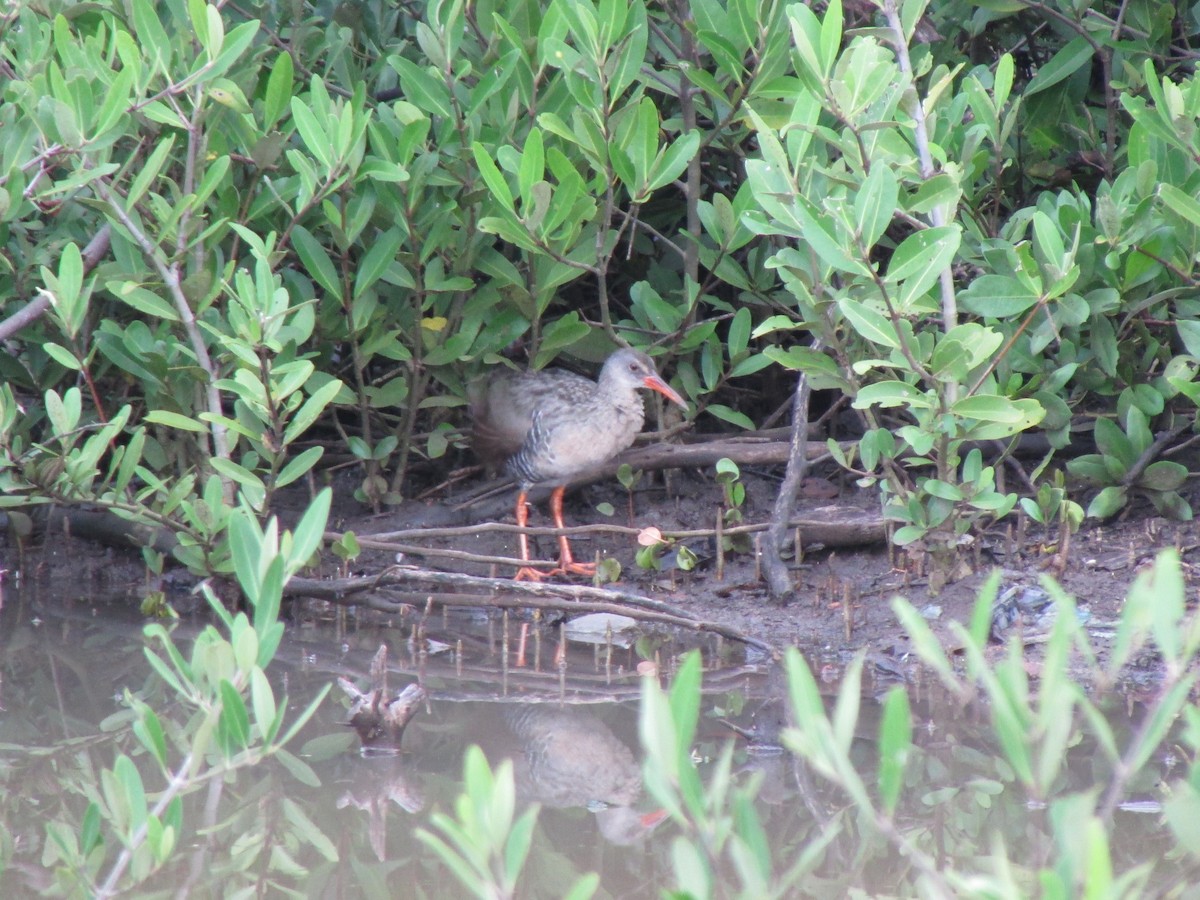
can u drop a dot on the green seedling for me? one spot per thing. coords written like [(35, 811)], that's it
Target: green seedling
[(629, 478), (1122, 466), (608, 571), (347, 548), (733, 497), (1052, 508), (654, 545)]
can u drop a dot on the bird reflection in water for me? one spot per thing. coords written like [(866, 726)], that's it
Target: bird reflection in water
[(569, 758), (563, 757)]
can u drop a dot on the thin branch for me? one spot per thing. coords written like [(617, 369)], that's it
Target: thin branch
[(937, 215), (170, 275), (96, 250)]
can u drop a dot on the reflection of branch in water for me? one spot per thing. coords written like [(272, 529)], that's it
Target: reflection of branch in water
[(378, 783), (577, 685), (476, 659), (510, 594)]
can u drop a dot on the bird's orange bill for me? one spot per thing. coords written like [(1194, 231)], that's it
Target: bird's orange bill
[(651, 819), (657, 384)]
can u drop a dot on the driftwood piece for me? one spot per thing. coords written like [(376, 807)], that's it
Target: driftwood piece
[(379, 721), (779, 584)]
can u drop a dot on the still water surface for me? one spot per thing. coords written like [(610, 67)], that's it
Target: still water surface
[(567, 718)]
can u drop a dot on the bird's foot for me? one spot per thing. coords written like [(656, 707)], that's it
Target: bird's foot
[(574, 568), (528, 573)]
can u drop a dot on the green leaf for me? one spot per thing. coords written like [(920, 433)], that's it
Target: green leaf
[(278, 94), (304, 828), (57, 412), (631, 52), (234, 718), (298, 768), (875, 205), (663, 315), (1181, 203), (1066, 62), (310, 530), (1163, 475), (888, 394), (532, 169), (149, 731), (299, 466), (492, 176), (152, 39), (895, 745), (997, 297), (234, 45), (739, 333), (316, 261), (112, 114), (312, 408), (377, 260), (942, 490), (175, 420), (869, 323), (316, 139), (685, 700), (1107, 503), (144, 301), (751, 364), (1048, 240), (520, 838), (990, 408), (62, 356), (421, 88), (733, 417), (670, 163), (1112, 442), (565, 331), (239, 474), (133, 791), (70, 274), (584, 888), (919, 261), (262, 700)]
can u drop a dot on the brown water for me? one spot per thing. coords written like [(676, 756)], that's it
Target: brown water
[(568, 721)]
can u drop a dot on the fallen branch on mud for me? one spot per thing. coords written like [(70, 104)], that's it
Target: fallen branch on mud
[(504, 593), (819, 526)]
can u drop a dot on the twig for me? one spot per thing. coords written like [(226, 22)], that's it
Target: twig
[(169, 271), (937, 215), (96, 249), (1153, 452)]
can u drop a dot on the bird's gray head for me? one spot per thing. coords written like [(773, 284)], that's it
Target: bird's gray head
[(633, 368)]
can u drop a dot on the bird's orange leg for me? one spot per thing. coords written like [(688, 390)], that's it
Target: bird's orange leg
[(566, 561), (525, 573)]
